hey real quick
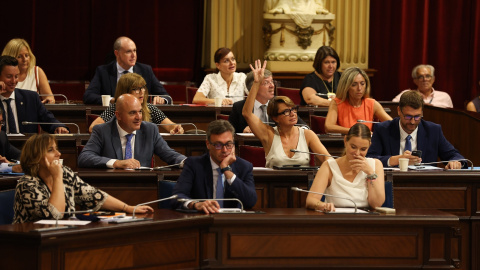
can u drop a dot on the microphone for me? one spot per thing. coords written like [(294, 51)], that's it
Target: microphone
[(133, 219), (297, 125), (437, 162), (324, 194), (46, 123), (224, 199), (365, 121), (65, 227), (192, 124), (55, 95), (166, 166), (167, 98), (229, 96), (323, 155)]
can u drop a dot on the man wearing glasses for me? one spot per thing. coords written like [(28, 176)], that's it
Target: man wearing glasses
[(424, 77), (216, 175), (399, 137)]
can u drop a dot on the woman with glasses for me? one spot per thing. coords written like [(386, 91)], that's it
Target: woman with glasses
[(351, 176), (31, 77), (48, 189), (132, 83), (353, 103), (278, 141), (226, 84), (319, 87)]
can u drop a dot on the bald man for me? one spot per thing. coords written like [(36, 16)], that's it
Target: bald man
[(126, 142), (106, 76)]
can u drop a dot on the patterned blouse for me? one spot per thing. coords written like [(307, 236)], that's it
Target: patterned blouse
[(156, 115), (32, 195)]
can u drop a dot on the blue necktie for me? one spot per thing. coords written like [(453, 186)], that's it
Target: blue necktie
[(128, 147), (408, 144), (219, 193), (12, 127)]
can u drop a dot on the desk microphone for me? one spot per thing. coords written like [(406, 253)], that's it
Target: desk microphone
[(297, 125), (437, 162), (192, 124), (164, 97), (365, 121), (159, 168), (66, 227), (323, 155), (46, 123), (321, 95), (324, 194), (224, 199), (133, 219), (55, 95), (229, 96)]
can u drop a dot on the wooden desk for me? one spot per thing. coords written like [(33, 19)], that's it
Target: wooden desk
[(291, 238)]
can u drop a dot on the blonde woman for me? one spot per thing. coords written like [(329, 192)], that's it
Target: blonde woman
[(31, 77), (132, 83), (353, 103)]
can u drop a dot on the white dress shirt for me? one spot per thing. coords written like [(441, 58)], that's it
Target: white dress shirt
[(14, 111), (123, 141)]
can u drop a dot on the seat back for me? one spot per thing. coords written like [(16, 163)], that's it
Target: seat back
[(165, 190), (292, 93), (317, 124), (254, 154), (177, 90), (222, 116), (191, 91), (73, 90), (388, 194), (89, 118), (7, 198)]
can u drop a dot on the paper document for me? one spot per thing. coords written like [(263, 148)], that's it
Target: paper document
[(230, 210), (262, 169), (63, 222), (345, 210), (424, 168), (246, 134)]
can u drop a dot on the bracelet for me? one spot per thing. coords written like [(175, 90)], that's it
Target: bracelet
[(123, 209)]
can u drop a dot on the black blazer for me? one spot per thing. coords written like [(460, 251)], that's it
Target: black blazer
[(6, 149), (105, 82), (239, 123)]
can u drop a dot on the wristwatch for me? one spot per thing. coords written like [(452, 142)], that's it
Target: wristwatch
[(372, 176), (228, 168)]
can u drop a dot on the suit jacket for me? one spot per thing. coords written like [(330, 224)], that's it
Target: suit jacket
[(238, 121), (6, 149), (30, 108), (430, 139), (196, 182), (104, 144), (105, 82)]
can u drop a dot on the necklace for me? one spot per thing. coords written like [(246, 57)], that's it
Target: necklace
[(333, 82)]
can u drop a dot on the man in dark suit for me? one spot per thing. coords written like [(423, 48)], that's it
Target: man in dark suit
[(216, 175), (397, 138), (26, 105), (126, 142), (265, 93), (8, 152), (106, 76)]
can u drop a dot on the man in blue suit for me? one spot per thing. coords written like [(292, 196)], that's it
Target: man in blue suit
[(126, 142), (106, 76), (397, 138), (216, 175), (22, 105)]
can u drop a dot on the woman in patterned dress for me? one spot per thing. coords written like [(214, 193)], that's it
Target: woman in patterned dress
[(49, 189)]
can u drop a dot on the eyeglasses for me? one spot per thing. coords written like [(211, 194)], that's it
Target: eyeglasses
[(231, 60), (267, 83), (139, 89), (410, 117), (219, 146), (425, 78), (287, 112)]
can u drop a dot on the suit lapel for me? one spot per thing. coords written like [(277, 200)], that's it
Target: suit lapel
[(208, 181), (116, 144), (421, 136), (138, 141), (395, 135), (20, 104), (113, 78)]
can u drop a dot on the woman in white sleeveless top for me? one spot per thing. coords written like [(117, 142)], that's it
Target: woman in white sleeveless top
[(351, 176), (31, 77), (278, 141)]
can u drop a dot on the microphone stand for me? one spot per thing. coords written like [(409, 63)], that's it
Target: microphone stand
[(166, 166), (133, 219), (55, 95), (65, 227), (438, 162), (365, 121), (224, 199), (196, 129), (47, 123), (324, 194)]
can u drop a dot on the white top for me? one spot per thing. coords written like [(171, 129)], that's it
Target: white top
[(277, 157), (123, 140), (436, 98), (29, 83), (356, 190), (215, 86)]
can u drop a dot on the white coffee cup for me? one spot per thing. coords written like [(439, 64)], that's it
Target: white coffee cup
[(106, 100), (218, 102), (403, 164), (60, 161)]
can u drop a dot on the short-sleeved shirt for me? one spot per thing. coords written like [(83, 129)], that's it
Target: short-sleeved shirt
[(156, 115), (313, 81), (215, 86), (436, 98), (32, 197)]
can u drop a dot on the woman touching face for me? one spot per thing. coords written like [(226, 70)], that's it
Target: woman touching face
[(52, 153)]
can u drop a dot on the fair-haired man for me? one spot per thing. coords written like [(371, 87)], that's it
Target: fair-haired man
[(106, 76), (126, 142), (217, 174), (399, 137), (424, 77)]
